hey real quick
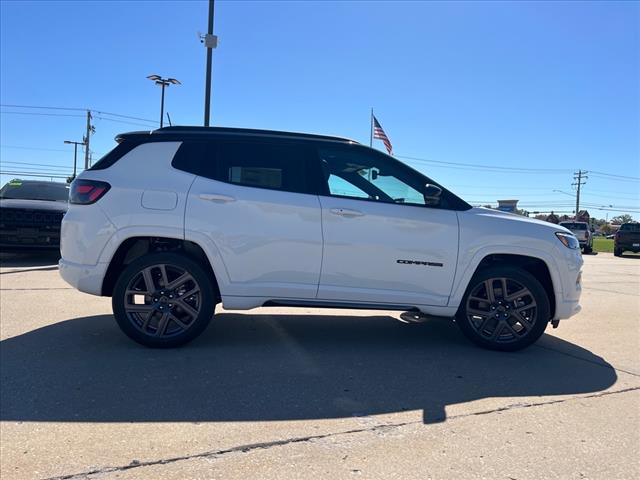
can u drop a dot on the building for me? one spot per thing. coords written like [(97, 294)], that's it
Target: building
[(510, 206)]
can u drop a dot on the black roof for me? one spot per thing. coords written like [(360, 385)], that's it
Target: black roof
[(178, 131)]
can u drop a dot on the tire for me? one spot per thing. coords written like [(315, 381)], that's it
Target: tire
[(588, 249), (617, 252), (527, 314), (158, 316)]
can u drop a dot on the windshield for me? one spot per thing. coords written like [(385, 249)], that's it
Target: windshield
[(50, 191), (574, 226)]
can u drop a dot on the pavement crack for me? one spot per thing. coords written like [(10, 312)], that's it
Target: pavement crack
[(594, 362), (247, 448)]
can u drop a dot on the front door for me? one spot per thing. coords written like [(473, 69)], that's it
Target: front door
[(384, 241)]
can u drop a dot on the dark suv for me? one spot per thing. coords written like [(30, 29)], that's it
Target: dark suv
[(627, 239), (30, 214)]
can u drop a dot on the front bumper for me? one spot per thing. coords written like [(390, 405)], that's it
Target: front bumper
[(86, 278)]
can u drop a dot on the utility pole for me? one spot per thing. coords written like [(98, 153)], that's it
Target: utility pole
[(210, 42), (579, 176), (86, 140)]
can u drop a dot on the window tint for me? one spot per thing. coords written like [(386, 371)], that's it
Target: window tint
[(342, 188), (114, 155), (362, 174), (264, 165), (197, 157), (50, 191)]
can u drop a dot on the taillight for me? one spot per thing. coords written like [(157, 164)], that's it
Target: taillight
[(85, 192)]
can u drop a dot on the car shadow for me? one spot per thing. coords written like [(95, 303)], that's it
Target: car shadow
[(275, 367)]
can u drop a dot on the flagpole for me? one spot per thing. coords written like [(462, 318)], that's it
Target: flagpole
[(371, 130)]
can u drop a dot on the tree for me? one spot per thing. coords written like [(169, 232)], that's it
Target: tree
[(620, 219), (606, 229)]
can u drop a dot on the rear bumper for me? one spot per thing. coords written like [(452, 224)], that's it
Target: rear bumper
[(86, 278)]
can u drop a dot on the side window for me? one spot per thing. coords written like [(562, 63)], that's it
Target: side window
[(265, 165), (196, 157), (366, 175), (342, 188)]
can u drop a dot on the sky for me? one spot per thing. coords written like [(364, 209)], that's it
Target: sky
[(493, 100)]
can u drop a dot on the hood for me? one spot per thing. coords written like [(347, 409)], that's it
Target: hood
[(34, 204), (525, 222)]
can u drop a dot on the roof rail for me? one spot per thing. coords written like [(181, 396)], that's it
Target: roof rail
[(247, 131)]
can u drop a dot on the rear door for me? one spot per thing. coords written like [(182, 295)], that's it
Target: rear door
[(384, 241), (251, 201)]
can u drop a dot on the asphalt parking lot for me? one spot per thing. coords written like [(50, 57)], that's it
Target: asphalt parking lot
[(305, 393)]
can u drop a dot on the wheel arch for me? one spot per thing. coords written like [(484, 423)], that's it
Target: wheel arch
[(134, 247), (537, 265)]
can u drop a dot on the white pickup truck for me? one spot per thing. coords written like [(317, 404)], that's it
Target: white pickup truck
[(582, 232), (174, 221)]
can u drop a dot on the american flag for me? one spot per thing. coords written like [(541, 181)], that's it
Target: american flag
[(378, 132)]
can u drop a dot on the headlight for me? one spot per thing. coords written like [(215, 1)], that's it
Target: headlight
[(568, 240)]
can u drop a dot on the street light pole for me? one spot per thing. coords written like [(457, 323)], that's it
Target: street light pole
[(75, 154), (163, 82), (210, 42), (162, 106)]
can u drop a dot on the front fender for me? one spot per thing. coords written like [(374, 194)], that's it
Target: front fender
[(469, 266)]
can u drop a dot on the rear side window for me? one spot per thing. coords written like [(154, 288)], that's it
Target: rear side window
[(114, 155), (264, 165), (197, 157)]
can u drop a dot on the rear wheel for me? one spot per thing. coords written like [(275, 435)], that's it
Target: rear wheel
[(617, 252), (504, 309), (588, 249), (163, 300)]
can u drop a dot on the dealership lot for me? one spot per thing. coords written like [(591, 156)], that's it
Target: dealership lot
[(308, 393)]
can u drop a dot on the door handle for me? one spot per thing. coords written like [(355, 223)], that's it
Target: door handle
[(345, 212), (216, 197)]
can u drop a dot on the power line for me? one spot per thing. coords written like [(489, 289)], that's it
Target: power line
[(34, 148), (100, 112), (43, 114), (612, 175), (26, 174), (44, 108), (122, 121), (35, 164), (458, 165)]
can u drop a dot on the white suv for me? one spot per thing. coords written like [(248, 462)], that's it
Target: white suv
[(174, 221)]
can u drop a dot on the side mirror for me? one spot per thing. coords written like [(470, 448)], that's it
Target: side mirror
[(431, 195), (432, 191)]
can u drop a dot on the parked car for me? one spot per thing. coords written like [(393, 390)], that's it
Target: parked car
[(611, 236), (582, 232), (30, 215), (627, 239), (174, 221)]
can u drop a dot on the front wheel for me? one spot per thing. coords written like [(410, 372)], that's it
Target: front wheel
[(504, 308), (163, 300)]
